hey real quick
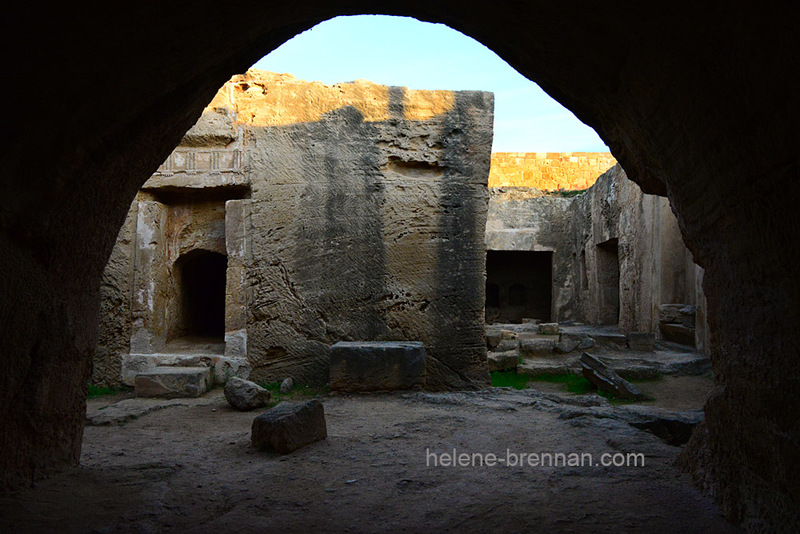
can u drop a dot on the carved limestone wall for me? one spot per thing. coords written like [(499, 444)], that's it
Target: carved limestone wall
[(347, 212)]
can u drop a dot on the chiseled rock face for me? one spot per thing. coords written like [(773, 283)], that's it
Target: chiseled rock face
[(245, 395), (366, 216), (377, 366), (288, 427)]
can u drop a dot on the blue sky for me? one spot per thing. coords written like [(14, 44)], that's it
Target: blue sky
[(404, 51)]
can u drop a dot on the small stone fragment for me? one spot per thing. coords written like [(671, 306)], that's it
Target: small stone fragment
[(245, 395), (289, 426), (287, 385), (493, 338), (548, 328), (509, 334)]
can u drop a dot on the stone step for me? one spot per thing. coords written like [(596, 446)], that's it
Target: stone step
[(222, 366), (173, 382), (678, 333)]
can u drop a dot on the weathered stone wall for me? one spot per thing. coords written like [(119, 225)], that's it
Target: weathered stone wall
[(549, 171), (611, 243), (116, 316), (363, 220)]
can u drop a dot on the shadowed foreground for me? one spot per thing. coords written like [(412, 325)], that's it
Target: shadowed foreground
[(190, 467)]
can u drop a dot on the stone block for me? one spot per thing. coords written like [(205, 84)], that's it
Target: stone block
[(509, 334), (641, 341), (548, 328), (678, 333), (670, 313), (536, 347), (506, 345), (502, 361), (493, 338), (606, 379), (245, 395), (289, 426), (682, 314), (173, 382), (567, 344), (377, 365)]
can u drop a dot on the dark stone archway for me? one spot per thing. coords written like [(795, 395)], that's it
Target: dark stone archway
[(697, 100)]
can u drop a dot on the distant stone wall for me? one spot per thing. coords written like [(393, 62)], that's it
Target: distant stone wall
[(549, 171), (611, 232)]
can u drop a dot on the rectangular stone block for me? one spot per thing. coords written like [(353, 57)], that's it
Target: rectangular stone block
[(377, 365), (678, 334), (548, 328), (536, 347), (288, 427), (641, 341), (173, 382), (501, 361)]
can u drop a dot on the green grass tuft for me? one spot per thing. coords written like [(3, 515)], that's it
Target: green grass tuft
[(298, 392), (95, 391), (567, 194), (572, 383), (504, 379)]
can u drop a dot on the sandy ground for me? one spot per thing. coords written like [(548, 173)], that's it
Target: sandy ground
[(190, 467)]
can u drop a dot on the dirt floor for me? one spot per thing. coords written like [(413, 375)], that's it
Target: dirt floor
[(188, 466)]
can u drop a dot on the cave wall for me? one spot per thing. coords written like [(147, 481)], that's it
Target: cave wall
[(697, 101)]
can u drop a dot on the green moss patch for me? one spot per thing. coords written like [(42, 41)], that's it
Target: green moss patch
[(506, 379), (572, 383), (95, 391), (298, 392)]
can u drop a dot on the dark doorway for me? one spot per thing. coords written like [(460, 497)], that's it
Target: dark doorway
[(202, 278), (608, 281), (518, 285)]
